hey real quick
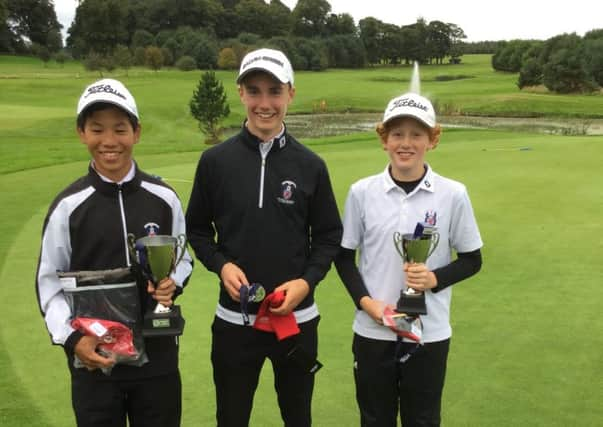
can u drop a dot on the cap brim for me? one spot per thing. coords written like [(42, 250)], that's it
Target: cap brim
[(106, 101), (413, 116), (262, 69)]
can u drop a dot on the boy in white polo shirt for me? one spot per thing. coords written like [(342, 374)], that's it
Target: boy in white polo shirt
[(391, 372)]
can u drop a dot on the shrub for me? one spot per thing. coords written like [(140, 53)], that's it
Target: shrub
[(186, 63), (227, 59)]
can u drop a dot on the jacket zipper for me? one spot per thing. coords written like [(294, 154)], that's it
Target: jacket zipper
[(123, 223), (264, 154)]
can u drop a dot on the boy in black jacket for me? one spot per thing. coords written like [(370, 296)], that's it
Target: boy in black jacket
[(86, 229), (262, 211)]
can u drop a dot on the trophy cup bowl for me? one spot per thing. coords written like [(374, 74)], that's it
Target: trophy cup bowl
[(156, 257), (414, 250)]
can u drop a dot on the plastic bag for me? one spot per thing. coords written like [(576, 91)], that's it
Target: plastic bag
[(403, 325), (105, 304)]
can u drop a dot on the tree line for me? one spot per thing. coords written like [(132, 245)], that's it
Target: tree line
[(29, 26), (217, 33), (566, 63)]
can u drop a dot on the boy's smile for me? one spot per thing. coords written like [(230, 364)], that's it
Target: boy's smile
[(266, 101), (109, 136), (407, 141)]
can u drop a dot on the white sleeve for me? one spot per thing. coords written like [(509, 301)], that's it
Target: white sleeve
[(185, 266), (353, 224), (54, 256), (465, 235)]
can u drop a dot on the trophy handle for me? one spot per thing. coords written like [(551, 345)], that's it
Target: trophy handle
[(180, 244), (435, 239), (398, 243)]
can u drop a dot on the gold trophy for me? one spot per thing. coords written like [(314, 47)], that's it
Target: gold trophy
[(156, 257), (415, 248)]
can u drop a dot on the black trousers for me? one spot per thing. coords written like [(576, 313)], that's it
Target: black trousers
[(384, 385), (238, 354), (149, 402)]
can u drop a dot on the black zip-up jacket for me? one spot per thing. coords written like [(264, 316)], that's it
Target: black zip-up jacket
[(276, 218), (85, 229)]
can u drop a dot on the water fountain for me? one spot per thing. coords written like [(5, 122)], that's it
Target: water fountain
[(415, 80)]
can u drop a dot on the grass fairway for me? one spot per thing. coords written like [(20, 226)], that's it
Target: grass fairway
[(527, 341)]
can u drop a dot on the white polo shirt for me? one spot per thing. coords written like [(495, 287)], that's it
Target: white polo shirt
[(376, 208)]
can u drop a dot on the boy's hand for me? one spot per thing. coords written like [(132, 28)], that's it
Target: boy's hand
[(373, 308), (418, 277), (233, 277), (295, 292), (164, 291), (85, 350)]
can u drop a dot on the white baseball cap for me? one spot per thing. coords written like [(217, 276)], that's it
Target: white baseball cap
[(110, 91), (411, 105), (270, 60)]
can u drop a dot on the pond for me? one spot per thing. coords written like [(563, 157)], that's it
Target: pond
[(319, 125)]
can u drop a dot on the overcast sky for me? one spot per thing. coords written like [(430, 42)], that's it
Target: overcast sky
[(481, 20)]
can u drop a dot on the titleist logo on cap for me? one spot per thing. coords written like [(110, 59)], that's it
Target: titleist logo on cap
[(104, 88), (263, 58), (408, 102)]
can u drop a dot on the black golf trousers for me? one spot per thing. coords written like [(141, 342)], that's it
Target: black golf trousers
[(149, 402), (238, 354), (384, 385)]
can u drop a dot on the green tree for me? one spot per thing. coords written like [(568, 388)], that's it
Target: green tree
[(41, 52), (530, 73), (99, 25), (340, 24), (310, 17), (253, 17), (209, 106), (206, 53), (142, 38), (35, 20), (565, 72), (593, 56), (280, 19), (371, 33)]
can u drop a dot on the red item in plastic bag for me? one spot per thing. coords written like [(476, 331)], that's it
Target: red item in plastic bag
[(115, 338), (403, 325)]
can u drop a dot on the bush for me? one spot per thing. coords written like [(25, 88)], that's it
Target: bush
[(227, 59), (61, 57), (186, 63), (139, 56), (153, 57), (93, 62)]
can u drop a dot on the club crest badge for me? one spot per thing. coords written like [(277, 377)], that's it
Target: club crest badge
[(151, 228), (287, 192), (431, 218)]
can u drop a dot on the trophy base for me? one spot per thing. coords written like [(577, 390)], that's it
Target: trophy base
[(411, 304), (170, 323)]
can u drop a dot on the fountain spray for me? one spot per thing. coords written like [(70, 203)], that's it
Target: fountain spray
[(415, 81)]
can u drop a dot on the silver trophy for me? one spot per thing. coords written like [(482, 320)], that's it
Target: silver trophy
[(415, 248), (157, 257)]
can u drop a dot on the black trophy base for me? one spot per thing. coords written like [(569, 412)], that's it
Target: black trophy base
[(411, 304), (170, 323)]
